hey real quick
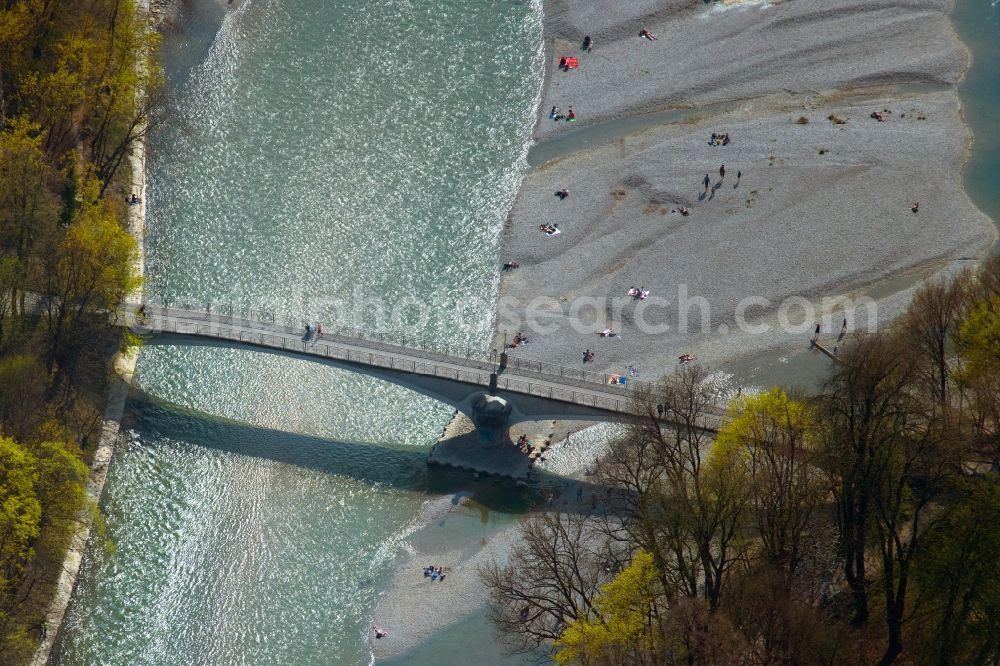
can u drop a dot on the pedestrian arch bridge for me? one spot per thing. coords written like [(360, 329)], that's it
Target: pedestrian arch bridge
[(533, 390)]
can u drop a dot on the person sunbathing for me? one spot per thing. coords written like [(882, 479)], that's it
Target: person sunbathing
[(647, 34), (608, 333)]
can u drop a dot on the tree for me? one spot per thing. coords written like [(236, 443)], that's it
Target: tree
[(93, 271), (128, 93), (673, 501), (929, 327), (693, 635), (22, 386), (980, 337), (621, 628), (778, 623), (910, 470), (28, 209), (769, 436), (551, 579), (862, 410), (20, 511), (979, 379), (958, 599), (62, 478)]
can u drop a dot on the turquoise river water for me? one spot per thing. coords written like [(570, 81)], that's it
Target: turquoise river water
[(327, 160)]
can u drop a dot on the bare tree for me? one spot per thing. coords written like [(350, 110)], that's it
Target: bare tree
[(930, 326), (910, 471), (552, 578), (674, 503), (695, 636), (773, 437), (863, 409)]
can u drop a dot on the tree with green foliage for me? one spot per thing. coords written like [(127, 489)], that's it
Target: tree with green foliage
[(29, 210), (78, 86), (980, 337), (20, 511), (92, 272), (769, 436), (622, 627)]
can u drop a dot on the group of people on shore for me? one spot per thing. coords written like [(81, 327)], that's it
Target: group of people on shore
[(556, 114), (719, 139), (639, 293), (519, 339), (434, 573), (707, 180)]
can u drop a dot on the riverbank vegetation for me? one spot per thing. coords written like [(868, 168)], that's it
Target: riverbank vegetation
[(75, 98), (857, 526)]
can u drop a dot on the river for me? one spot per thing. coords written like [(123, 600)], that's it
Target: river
[(327, 160), (319, 156)]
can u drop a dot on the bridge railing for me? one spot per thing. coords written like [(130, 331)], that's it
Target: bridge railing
[(399, 354), (412, 346), (335, 348), (260, 318)]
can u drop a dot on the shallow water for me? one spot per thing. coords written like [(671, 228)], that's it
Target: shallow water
[(978, 25), (316, 156)]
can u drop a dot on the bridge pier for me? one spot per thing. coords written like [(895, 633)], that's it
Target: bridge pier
[(490, 414)]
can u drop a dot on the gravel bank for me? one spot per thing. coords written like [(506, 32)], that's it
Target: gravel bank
[(822, 209), (708, 53), (414, 607)]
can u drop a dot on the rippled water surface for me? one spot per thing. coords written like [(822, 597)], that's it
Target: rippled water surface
[(316, 151)]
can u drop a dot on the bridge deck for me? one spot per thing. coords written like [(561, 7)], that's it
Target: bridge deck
[(522, 376)]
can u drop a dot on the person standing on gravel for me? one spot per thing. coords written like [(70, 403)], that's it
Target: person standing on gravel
[(722, 171), (707, 181)]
